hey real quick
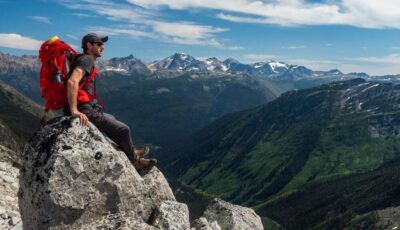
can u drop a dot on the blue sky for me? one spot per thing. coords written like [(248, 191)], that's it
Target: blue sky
[(350, 35)]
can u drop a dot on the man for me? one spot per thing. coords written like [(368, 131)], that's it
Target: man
[(83, 104)]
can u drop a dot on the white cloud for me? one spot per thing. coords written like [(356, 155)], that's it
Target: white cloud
[(233, 18), (315, 64), (72, 36), (381, 65), (188, 33), (359, 13), (140, 22), (17, 41), (84, 15), (251, 58), (41, 19), (388, 59), (374, 65), (133, 33), (294, 47)]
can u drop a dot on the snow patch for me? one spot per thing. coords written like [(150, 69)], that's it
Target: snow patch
[(277, 65), (370, 87), (110, 68), (258, 65), (162, 90)]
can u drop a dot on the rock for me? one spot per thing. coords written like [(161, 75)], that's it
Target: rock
[(9, 212), (388, 218), (214, 226), (172, 215), (19, 226), (232, 217), (2, 210), (158, 188), (13, 213), (15, 220), (4, 216), (73, 177), (112, 221), (202, 224)]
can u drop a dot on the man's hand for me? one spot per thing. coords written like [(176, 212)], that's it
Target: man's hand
[(82, 117), (72, 92)]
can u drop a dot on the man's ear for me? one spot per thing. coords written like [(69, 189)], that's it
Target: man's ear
[(88, 45)]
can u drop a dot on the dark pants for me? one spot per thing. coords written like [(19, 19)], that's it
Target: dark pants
[(117, 131)]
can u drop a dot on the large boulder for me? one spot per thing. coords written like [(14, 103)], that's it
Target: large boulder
[(202, 224), (73, 178), (172, 215), (222, 215), (10, 217)]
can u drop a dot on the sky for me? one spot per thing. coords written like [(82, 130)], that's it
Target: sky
[(349, 35)]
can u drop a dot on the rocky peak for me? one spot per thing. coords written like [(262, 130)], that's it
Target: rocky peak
[(263, 68), (18, 64), (234, 66), (214, 64), (334, 71), (129, 64), (179, 62), (72, 177), (229, 61)]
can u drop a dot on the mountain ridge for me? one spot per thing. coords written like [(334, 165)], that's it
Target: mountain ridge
[(182, 62), (303, 136)]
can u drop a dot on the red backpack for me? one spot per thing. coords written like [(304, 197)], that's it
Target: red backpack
[(57, 58)]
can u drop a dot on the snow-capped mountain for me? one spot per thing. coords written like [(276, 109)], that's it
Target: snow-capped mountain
[(270, 68), (127, 65), (213, 64), (295, 72), (234, 66), (178, 62)]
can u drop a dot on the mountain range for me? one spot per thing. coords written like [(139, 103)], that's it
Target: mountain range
[(181, 62)]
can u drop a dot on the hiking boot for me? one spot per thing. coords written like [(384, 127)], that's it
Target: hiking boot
[(142, 163), (141, 151)]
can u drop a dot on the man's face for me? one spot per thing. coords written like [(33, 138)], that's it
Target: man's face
[(95, 48)]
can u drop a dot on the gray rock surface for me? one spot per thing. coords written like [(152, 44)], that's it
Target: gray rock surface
[(202, 224), (9, 172), (388, 218), (232, 217), (72, 177), (172, 215)]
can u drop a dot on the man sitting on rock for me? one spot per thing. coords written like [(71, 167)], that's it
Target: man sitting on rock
[(83, 104)]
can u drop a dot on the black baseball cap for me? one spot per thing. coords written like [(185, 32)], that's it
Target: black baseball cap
[(92, 38)]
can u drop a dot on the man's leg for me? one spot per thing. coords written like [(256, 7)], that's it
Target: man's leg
[(120, 133), (117, 131)]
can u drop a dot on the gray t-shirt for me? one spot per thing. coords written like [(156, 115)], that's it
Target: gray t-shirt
[(86, 63)]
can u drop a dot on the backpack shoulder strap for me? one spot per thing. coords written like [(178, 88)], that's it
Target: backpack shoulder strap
[(90, 77)]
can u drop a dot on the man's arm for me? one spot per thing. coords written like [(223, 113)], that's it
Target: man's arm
[(72, 93)]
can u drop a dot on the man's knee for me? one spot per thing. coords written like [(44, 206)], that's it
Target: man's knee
[(123, 129)]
